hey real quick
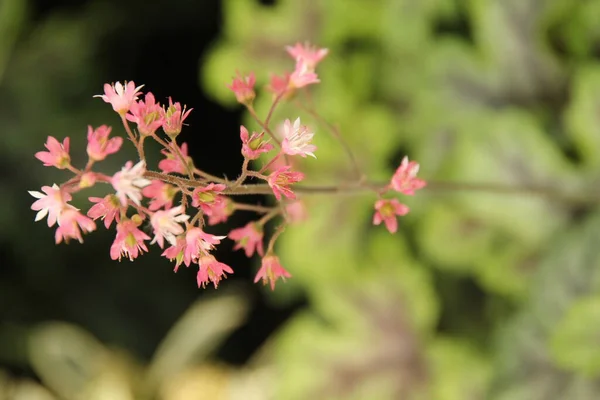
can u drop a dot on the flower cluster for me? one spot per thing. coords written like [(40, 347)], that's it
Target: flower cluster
[(180, 202)]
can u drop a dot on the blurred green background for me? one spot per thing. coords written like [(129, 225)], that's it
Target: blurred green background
[(480, 295)]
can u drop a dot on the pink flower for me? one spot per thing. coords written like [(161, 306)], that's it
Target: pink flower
[(172, 163), (120, 97), (129, 182), (243, 88), (280, 179), (405, 180), (129, 241), (146, 115), (297, 139), (208, 197), (57, 154), (308, 54), (173, 118), (52, 203), (220, 211), (99, 145), (302, 76), (254, 145), (295, 212), (198, 243), (386, 211), (175, 252), (271, 270), (162, 194), (279, 84), (250, 238), (166, 225), (69, 223), (211, 270), (107, 208)]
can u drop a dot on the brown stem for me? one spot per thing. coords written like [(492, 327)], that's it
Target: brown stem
[(131, 135), (263, 125), (252, 207)]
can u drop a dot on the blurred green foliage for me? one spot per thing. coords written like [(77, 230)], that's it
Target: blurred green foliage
[(490, 91)]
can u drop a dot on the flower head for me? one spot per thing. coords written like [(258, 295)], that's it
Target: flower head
[(386, 211), (70, 221), (220, 211), (146, 115), (161, 193), (295, 212), (211, 270), (208, 197), (121, 97), (249, 238), (129, 182), (166, 225), (297, 139), (198, 243), (310, 55), (281, 179), (107, 208), (243, 88), (176, 251), (253, 145), (129, 241), (173, 118), (302, 76), (172, 163), (271, 270), (279, 84), (51, 203), (405, 178), (57, 154), (99, 145)]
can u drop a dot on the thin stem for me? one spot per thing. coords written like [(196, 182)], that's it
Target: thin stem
[(335, 132), (209, 177), (130, 134), (267, 165), (276, 211), (243, 175), (263, 125), (275, 236), (252, 207), (273, 106)]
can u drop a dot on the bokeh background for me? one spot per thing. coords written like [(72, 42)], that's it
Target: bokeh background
[(480, 295)]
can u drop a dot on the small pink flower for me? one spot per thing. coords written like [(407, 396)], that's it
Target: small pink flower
[(243, 88), (51, 203), (250, 238), (173, 118), (302, 76), (57, 154), (279, 84), (211, 270), (146, 115), (172, 163), (386, 211), (88, 179), (129, 182), (70, 222), (208, 197), (405, 178), (253, 145), (166, 225), (295, 212), (198, 243), (121, 97), (99, 145), (308, 54), (107, 208), (220, 211), (162, 194), (297, 139), (175, 252), (271, 270), (281, 179), (129, 241)]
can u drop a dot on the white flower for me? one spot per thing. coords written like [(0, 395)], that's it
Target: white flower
[(297, 139), (129, 181), (166, 225)]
